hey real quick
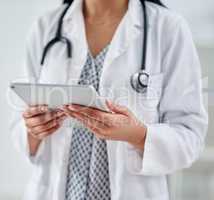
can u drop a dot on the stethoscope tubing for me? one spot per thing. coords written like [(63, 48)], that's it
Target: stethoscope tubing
[(136, 83)]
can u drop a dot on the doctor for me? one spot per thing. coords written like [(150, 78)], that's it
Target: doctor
[(129, 153)]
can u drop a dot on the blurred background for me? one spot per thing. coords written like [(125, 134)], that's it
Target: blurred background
[(16, 18)]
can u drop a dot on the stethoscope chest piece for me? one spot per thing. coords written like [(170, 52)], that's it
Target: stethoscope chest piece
[(139, 81)]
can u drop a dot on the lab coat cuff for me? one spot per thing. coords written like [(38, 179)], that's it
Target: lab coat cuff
[(141, 162)]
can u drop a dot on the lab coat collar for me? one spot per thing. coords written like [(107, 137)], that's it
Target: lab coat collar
[(130, 28), (135, 13), (76, 7)]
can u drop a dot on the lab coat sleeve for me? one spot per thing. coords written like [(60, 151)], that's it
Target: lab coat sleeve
[(31, 70), (177, 141)]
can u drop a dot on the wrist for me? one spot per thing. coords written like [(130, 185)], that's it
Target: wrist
[(140, 137), (33, 143)]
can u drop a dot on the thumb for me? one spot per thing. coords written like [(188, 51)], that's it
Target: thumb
[(115, 108)]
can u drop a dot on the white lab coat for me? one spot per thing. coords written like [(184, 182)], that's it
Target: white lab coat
[(172, 108)]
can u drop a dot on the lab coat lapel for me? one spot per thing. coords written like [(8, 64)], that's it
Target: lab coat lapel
[(74, 29), (129, 30)]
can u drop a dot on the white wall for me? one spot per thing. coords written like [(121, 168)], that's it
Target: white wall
[(15, 19), (200, 15)]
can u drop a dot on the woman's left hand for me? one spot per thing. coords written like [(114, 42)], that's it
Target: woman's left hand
[(120, 125)]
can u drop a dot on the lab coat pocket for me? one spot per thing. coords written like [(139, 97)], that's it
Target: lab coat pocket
[(55, 71), (145, 105)]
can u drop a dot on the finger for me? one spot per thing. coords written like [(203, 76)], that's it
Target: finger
[(68, 112), (84, 109), (92, 113), (42, 119), (35, 110), (85, 119), (104, 134), (39, 129), (107, 136), (48, 132), (98, 132), (90, 122), (118, 108), (76, 107), (33, 135)]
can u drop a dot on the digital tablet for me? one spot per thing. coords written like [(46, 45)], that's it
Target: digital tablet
[(55, 95)]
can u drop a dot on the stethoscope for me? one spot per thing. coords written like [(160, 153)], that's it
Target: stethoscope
[(139, 81)]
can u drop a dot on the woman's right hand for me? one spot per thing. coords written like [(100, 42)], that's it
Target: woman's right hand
[(40, 123)]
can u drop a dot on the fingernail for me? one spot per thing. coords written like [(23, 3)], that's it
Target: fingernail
[(59, 114), (108, 101), (64, 106), (72, 108), (44, 108)]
